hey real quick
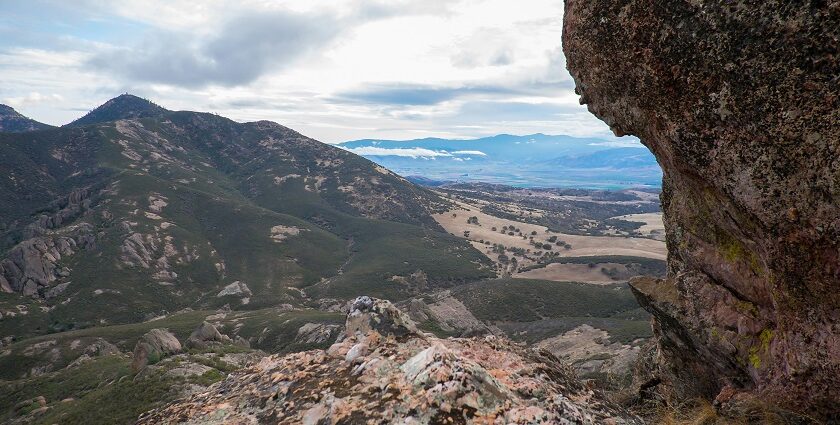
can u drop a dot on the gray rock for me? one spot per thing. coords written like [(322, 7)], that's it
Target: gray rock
[(236, 289), (205, 336), (153, 346), (368, 314)]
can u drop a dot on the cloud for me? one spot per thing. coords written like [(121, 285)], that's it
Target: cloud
[(624, 142), (33, 98), (405, 152), (485, 47), (479, 153), (418, 95), (245, 48)]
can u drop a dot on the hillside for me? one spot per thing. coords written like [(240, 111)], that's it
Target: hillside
[(129, 218), (12, 121)]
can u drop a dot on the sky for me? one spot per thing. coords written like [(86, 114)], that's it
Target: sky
[(335, 70)]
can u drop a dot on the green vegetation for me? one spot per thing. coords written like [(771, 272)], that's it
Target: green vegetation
[(90, 392), (536, 309)]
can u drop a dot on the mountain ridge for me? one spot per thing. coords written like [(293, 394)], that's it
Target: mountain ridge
[(152, 214), (12, 121)]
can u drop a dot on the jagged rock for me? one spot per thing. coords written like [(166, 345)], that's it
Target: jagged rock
[(205, 336), (371, 377), (316, 333), (740, 105), (236, 289), (31, 264), (368, 314), (154, 345)]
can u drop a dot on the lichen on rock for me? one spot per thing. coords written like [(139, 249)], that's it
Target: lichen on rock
[(740, 104)]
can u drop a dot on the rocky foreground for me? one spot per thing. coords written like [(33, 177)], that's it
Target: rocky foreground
[(386, 371)]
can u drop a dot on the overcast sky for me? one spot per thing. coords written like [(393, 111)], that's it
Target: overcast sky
[(335, 69)]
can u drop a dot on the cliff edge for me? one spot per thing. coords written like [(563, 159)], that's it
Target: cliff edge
[(740, 103)]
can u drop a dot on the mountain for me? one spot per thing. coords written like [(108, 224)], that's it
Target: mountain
[(122, 107), (12, 121), (536, 160), (120, 221)]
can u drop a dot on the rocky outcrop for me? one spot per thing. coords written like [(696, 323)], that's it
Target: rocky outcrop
[(384, 371), (206, 335), (740, 104), (153, 346), (34, 264)]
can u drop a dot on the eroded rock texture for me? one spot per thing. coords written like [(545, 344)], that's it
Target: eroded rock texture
[(740, 103), (384, 371)]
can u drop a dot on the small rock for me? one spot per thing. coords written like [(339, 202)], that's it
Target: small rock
[(236, 289)]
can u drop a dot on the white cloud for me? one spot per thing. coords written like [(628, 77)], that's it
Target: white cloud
[(629, 142), (406, 152), (479, 153), (421, 68)]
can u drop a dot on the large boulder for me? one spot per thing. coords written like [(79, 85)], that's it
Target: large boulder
[(206, 335), (739, 101), (153, 346)]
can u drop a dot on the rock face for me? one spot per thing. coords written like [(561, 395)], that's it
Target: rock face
[(385, 372), (153, 346), (740, 104)]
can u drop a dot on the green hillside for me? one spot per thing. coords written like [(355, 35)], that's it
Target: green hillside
[(112, 220)]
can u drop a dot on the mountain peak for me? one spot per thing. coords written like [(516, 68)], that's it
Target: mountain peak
[(12, 121), (124, 106)]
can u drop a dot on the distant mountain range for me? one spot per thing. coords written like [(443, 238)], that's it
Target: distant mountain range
[(536, 160)]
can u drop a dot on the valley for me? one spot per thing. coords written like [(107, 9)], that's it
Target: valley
[(136, 221)]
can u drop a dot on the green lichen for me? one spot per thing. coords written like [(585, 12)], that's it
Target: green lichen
[(765, 337), (756, 351), (746, 307)]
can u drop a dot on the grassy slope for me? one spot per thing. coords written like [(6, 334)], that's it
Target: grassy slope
[(535, 309), (218, 179)]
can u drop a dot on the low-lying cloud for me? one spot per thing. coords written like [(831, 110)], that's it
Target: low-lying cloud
[(410, 152)]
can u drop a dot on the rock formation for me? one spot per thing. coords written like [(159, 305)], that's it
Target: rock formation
[(385, 371), (153, 346), (740, 103), (206, 335)]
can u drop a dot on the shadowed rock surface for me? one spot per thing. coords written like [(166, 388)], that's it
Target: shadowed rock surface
[(384, 371), (739, 103), (153, 346)]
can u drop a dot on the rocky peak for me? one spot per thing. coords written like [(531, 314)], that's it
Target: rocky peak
[(125, 106), (385, 371), (11, 121), (741, 108)]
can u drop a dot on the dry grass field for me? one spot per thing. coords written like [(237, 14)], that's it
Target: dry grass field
[(527, 243)]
